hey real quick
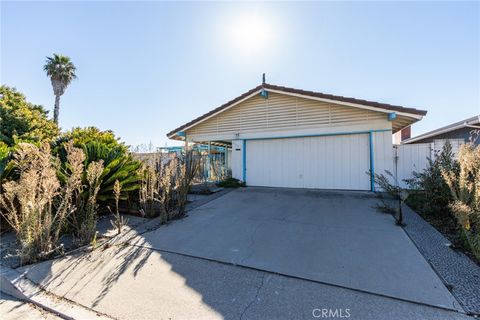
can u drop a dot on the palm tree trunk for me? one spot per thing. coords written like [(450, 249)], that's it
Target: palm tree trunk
[(56, 110)]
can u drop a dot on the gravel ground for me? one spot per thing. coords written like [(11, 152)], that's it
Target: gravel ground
[(460, 274)]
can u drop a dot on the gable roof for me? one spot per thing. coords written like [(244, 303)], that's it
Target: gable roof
[(473, 121), (377, 106)]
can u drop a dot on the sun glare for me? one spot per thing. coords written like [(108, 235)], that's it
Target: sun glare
[(251, 34)]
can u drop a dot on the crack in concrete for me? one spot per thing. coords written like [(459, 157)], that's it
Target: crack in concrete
[(252, 244), (255, 297)]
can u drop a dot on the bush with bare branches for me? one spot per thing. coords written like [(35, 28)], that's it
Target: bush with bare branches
[(165, 185)]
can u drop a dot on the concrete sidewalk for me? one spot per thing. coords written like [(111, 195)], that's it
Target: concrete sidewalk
[(12, 308)]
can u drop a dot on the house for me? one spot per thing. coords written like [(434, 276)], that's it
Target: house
[(457, 133), (284, 137)]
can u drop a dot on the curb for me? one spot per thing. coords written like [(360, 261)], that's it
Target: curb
[(15, 284)]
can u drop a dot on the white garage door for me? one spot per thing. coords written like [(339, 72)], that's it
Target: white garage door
[(329, 162)]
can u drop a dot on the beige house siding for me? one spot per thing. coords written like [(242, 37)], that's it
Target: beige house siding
[(284, 113)]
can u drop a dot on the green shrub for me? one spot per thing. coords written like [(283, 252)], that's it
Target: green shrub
[(4, 157), (430, 182), (22, 121), (388, 194), (118, 163), (231, 183), (83, 136)]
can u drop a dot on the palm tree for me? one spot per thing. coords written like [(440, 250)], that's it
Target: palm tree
[(61, 71)]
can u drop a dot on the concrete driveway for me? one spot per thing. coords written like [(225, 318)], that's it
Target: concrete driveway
[(358, 259), (335, 238)]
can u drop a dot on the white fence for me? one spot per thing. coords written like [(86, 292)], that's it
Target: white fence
[(413, 157), (409, 158)]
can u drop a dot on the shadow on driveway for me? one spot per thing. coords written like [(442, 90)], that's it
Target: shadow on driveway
[(130, 280)]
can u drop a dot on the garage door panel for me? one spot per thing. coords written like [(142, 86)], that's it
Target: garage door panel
[(330, 162)]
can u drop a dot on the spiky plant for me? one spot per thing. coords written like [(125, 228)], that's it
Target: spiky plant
[(119, 221), (61, 71)]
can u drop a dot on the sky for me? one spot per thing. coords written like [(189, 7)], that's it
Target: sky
[(145, 68)]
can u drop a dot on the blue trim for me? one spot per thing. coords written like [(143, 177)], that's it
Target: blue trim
[(320, 135), (392, 116), (264, 93), (244, 161), (181, 134), (372, 163)]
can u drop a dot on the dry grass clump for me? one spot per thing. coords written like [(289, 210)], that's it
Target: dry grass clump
[(85, 217), (165, 185), (30, 204), (46, 196), (464, 185), (118, 221)]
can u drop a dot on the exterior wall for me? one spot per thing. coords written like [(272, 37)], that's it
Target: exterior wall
[(283, 115), (237, 159), (402, 135), (229, 159)]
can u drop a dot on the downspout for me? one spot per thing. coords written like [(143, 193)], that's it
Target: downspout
[(244, 161), (372, 163)]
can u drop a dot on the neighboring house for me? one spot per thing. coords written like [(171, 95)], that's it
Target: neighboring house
[(285, 137), (457, 133)]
